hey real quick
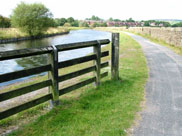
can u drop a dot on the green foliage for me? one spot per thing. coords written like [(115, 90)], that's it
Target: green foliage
[(116, 25), (33, 19), (166, 24), (130, 20), (146, 23), (75, 23), (99, 24), (177, 24), (110, 19), (94, 18), (67, 24), (70, 20), (162, 23), (4, 22), (117, 20), (157, 23), (60, 21), (104, 24), (83, 24), (95, 25)]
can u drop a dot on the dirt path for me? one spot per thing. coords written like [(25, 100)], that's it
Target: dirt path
[(162, 115)]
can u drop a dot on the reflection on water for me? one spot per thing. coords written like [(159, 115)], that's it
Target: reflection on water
[(28, 62)]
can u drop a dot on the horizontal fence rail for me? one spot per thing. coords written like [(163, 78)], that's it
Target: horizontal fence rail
[(44, 50), (53, 76), (24, 53), (25, 106), (80, 84), (24, 73), (80, 72), (65, 47), (80, 60), (47, 97), (24, 90)]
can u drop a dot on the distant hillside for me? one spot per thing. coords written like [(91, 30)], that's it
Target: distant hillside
[(171, 21)]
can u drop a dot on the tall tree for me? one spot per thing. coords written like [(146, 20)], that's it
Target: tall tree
[(60, 21), (130, 20), (32, 18), (111, 19), (70, 20), (4, 22), (177, 24)]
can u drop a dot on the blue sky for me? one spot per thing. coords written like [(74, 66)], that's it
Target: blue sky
[(121, 9)]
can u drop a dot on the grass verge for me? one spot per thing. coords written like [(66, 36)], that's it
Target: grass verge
[(177, 50), (108, 110), (174, 48)]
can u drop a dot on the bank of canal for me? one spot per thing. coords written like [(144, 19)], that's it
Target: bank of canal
[(28, 62)]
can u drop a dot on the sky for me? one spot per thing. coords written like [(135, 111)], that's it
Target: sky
[(120, 9)]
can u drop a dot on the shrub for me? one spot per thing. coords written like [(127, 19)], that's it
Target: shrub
[(60, 21), (67, 24), (83, 24)]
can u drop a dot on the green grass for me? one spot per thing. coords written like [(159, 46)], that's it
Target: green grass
[(108, 110), (174, 48)]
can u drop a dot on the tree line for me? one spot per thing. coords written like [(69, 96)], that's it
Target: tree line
[(4, 22), (66, 22), (35, 18)]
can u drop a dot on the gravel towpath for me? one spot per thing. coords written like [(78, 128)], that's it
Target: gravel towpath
[(162, 113)]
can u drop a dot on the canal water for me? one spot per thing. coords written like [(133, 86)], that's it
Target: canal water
[(29, 62)]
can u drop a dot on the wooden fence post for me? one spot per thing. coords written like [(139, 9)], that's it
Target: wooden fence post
[(53, 75), (115, 56), (97, 62)]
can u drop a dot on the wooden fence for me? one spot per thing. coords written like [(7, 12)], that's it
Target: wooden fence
[(52, 68)]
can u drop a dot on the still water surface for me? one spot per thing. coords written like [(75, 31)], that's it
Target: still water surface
[(28, 62)]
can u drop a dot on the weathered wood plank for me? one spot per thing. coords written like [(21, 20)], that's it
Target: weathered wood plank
[(71, 46), (80, 60), (104, 74), (24, 73), (80, 72), (36, 86), (27, 72), (5, 55), (14, 110), (104, 54), (27, 105), (53, 75), (24, 90), (80, 84), (104, 64), (115, 57), (44, 50), (76, 86), (76, 74), (97, 51), (76, 61)]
